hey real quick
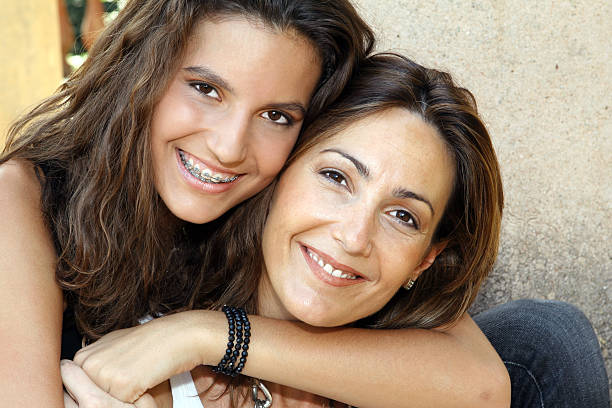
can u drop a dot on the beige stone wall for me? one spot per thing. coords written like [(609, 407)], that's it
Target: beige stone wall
[(541, 71), (30, 57)]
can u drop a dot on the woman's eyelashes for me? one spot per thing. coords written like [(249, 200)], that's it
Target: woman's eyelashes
[(206, 90), (334, 176), (400, 216), (405, 218)]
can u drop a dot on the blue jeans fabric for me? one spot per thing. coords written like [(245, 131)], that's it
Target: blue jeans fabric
[(551, 353)]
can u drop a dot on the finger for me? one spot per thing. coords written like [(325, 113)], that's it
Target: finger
[(145, 401), (77, 383), (69, 402), (81, 355)]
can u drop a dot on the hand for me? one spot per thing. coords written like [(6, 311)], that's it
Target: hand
[(128, 362), (82, 392)]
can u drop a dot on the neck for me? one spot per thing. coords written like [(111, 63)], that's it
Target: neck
[(269, 304)]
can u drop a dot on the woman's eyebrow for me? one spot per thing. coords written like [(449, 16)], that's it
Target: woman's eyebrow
[(405, 193), (207, 73), (365, 173), (361, 168)]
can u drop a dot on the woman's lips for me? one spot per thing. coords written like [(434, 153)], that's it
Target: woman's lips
[(329, 270)]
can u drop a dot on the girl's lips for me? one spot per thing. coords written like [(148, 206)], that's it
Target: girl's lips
[(327, 277), (207, 187)]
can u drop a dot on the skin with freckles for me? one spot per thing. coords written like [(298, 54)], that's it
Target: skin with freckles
[(353, 218), (93, 176), (362, 208), (235, 123), (367, 207)]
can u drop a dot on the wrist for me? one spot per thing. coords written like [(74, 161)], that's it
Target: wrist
[(207, 336)]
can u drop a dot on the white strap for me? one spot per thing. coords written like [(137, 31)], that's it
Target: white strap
[(184, 393)]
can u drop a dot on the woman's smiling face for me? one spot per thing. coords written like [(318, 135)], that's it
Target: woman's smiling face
[(231, 115), (352, 220)]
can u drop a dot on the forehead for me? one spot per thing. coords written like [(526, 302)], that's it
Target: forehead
[(393, 132), (401, 150), (246, 51)]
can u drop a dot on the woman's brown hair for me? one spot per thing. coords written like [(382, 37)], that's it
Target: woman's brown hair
[(118, 258), (470, 224)]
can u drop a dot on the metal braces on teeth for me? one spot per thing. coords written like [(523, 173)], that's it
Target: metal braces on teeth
[(205, 179)]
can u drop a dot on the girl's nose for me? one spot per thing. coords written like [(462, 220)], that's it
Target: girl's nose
[(228, 142)]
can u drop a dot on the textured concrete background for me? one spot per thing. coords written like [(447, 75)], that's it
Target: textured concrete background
[(541, 72)]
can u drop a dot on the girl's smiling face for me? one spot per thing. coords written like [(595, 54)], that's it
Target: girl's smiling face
[(353, 218), (231, 115)]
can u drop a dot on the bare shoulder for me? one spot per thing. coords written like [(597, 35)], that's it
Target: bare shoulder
[(18, 184)]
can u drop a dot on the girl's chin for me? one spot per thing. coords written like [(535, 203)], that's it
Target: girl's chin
[(206, 212), (196, 218)]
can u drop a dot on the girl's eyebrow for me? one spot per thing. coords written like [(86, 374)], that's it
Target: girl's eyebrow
[(363, 170), (207, 73), (290, 106)]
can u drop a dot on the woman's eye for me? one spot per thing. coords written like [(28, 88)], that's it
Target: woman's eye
[(404, 217), (277, 117), (334, 176), (206, 89)]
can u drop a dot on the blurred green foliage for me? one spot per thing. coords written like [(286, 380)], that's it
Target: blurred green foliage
[(76, 10)]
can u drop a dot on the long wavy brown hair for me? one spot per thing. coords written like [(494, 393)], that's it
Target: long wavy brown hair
[(470, 224), (120, 253)]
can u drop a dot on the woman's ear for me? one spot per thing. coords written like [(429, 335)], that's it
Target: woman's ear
[(429, 259)]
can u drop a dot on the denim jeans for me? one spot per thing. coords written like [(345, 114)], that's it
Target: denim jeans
[(551, 353)]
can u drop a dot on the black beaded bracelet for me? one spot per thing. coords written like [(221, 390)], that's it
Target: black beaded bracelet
[(238, 339)]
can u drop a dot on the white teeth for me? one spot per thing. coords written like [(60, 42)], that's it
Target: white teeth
[(330, 269), (204, 174)]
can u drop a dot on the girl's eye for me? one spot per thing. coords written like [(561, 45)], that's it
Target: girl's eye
[(405, 218), (334, 176), (206, 89), (277, 117)]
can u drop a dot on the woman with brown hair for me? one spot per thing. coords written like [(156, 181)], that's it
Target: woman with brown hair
[(183, 109), (396, 185)]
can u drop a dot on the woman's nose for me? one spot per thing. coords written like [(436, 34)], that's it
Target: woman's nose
[(355, 231), (228, 142)]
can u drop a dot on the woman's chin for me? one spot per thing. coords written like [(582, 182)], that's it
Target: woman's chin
[(319, 318)]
